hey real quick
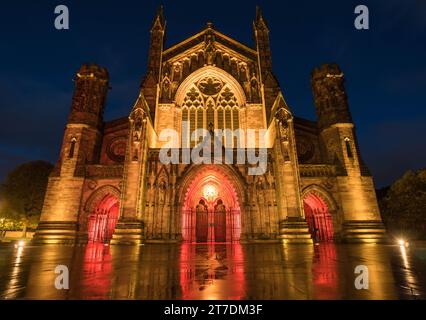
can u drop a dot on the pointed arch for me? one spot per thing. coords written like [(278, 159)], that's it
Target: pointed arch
[(101, 214), (193, 170), (210, 182), (320, 213), (98, 195), (323, 194), (206, 71), (163, 174)]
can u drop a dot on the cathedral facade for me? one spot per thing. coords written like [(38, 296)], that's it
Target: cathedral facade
[(112, 184)]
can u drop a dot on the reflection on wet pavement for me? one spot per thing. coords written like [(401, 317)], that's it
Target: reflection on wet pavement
[(215, 271)]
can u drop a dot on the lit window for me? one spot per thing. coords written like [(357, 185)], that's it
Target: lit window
[(72, 148), (210, 103), (348, 147)]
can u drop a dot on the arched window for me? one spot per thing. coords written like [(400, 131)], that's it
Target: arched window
[(185, 129), (208, 102), (348, 147), (72, 148), (192, 124), (210, 114), (236, 126)]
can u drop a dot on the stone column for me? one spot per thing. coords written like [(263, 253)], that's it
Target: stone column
[(292, 225), (130, 226)]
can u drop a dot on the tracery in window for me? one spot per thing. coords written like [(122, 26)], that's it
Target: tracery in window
[(210, 103)]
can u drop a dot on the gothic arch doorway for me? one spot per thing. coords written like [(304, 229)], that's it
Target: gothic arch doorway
[(102, 220), (318, 217), (210, 210)]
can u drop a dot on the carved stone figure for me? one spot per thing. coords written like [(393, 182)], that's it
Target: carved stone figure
[(243, 74), (209, 51), (162, 193), (254, 89), (282, 117), (166, 90)]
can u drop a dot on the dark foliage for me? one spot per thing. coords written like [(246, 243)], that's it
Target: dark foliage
[(22, 194), (403, 205)]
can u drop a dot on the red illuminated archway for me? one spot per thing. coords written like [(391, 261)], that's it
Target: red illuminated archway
[(102, 220), (318, 217), (210, 204)]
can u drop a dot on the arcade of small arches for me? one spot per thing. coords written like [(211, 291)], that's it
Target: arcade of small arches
[(211, 210)]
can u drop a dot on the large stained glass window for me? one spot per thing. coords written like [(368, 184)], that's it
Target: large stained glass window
[(209, 104)]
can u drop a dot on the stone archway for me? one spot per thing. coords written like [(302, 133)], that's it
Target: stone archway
[(320, 213), (101, 214), (220, 190)]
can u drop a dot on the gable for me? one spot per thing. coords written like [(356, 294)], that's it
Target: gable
[(208, 48), (199, 38)]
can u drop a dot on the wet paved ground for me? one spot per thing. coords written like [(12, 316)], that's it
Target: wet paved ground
[(261, 271)]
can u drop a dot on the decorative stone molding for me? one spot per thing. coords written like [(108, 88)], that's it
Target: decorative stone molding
[(98, 195), (323, 194), (317, 170), (254, 107), (116, 149), (102, 172), (165, 106)]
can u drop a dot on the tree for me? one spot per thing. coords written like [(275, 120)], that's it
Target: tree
[(23, 192), (404, 205)]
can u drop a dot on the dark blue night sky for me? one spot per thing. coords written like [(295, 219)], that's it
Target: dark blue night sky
[(385, 66)]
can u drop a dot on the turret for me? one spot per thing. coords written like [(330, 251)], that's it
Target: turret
[(334, 119), (152, 78), (91, 89), (329, 95), (261, 36), (337, 133), (82, 137), (80, 146), (267, 79)]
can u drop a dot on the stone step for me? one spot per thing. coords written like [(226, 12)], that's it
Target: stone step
[(364, 232), (295, 232), (55, 232)]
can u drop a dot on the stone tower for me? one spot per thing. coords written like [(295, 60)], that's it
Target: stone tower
[(80, 146), (339, 144)]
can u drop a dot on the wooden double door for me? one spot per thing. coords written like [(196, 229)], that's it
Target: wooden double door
[(210, 220)]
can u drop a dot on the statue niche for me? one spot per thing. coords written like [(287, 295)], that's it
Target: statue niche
[(166, 92), (254, 90), (282, 119), (209, 50), (162, 188)]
